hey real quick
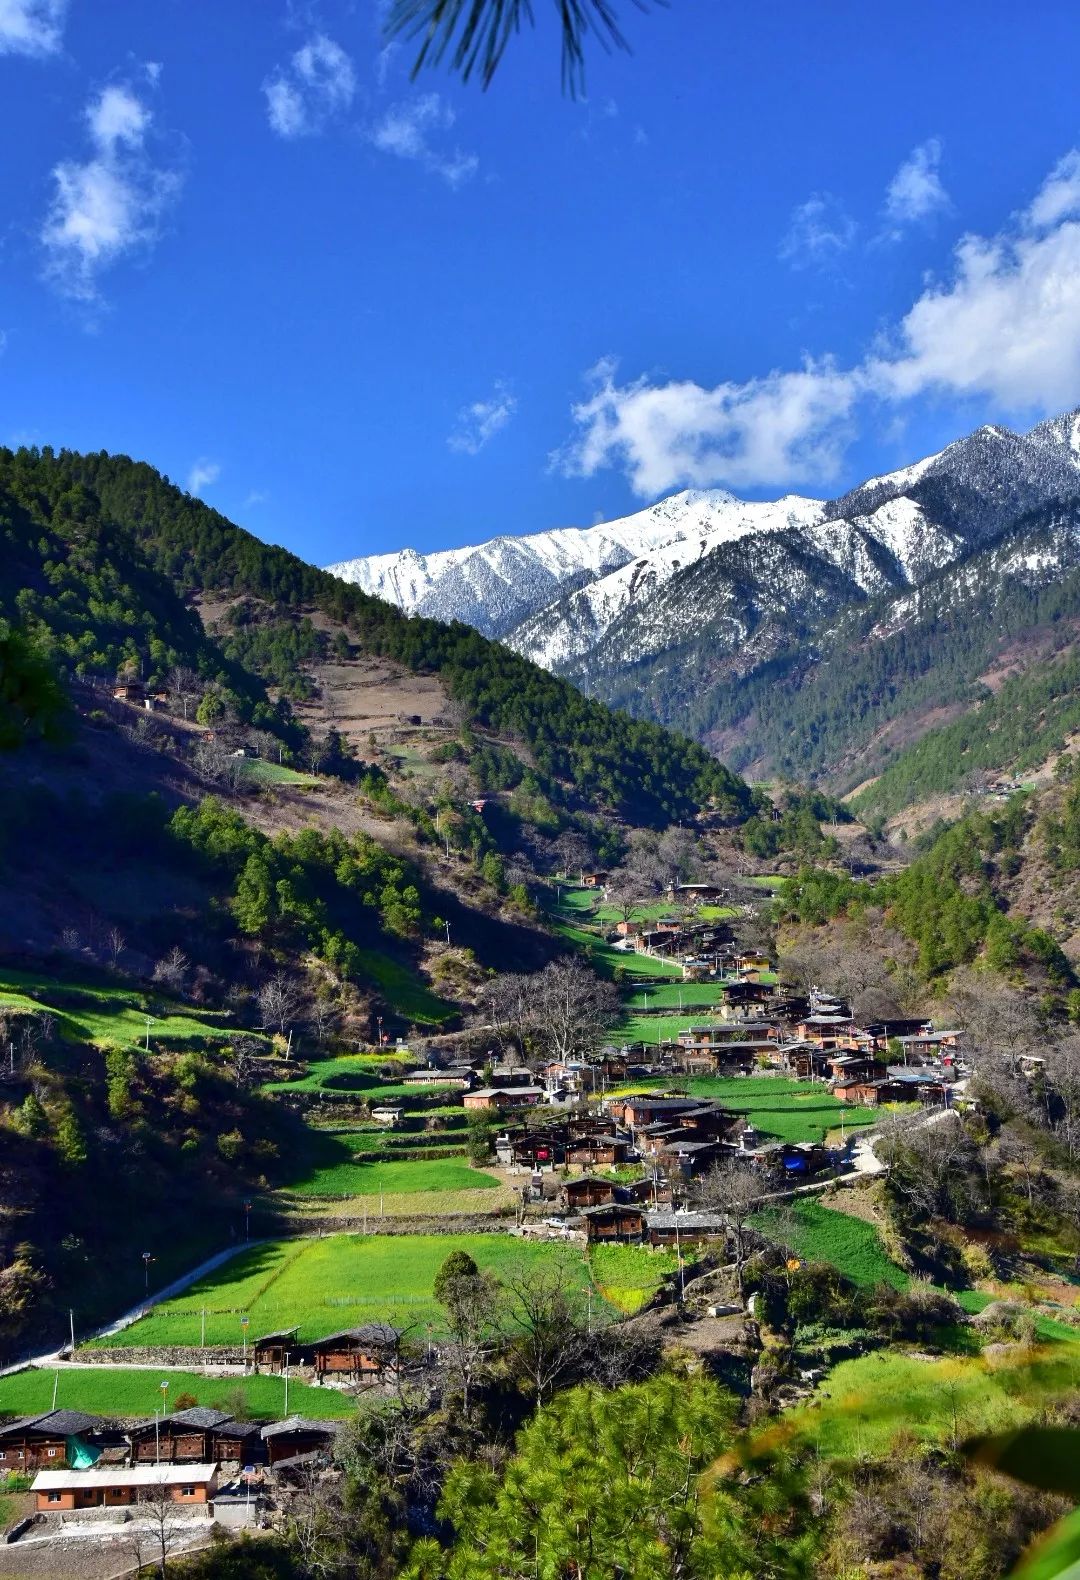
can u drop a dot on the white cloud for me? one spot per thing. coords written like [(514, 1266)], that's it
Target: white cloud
[(117, 118), (317, 85), (1003, 327), (915, 192), (785, 427), (482, 420), (202, 475), (31, 27), (820, 230), (1059, 196), (407, 130), (257, 496), (109, 204)]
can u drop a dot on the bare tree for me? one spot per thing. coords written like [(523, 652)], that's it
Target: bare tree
[(473, 1303), (543, 1309), (172, 969), (573, 851), (242, 1060), (736, 1191), (185, 687), (158, 1529), (115, 943), (324, 1016), (569, 1008), (624, 895), (279, 1002)]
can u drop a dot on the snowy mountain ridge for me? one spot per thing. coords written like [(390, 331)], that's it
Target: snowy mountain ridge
[(705, 566)]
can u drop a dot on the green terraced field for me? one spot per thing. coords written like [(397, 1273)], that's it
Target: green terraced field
[(125, 1391), (778, 1106), (406, 995), (864, 1404), (607, 959), (322, 1285), (818, 1234), (262, 772), (655, 1028), (690, 996), (627, 1277), (336, 1171), (110, 1016)]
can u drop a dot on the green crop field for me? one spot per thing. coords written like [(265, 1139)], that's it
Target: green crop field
[(776, 1105), (406, 995), (818, 1234), (607, 959), (262, 772), (654, 1028), (340, 1281), (690, 996), (333, 1169), (127, 1391), (628, 1276), (110, 1016), (864, 1404)]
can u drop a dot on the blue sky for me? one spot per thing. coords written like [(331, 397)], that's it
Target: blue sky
[(775, 248)]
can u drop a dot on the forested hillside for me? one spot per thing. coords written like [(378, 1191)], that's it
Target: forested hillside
[(122, 549)]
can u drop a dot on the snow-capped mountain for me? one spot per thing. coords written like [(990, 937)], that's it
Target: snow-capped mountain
[(703, 579), (497, 585)]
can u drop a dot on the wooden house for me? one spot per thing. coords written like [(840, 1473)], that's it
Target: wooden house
[(589, 1191), (859, 1091), (274, 1351), (504, 1097), (589, 1151), (34, 1442), (117, 1487), (185, 1437), (297, 1438), (668, 1228), (366, 1352), (594, 880), (612, 1222)]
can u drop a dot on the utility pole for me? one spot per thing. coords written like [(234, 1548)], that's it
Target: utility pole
[(55, 1386), (202, 1328), (286, 1415), (71, 1319), (243, 1329), (149, 1021), (447, 935)]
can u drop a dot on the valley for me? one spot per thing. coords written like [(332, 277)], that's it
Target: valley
[(517, 1053)]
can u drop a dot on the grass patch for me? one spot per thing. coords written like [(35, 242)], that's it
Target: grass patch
[(817, 1234), (332, 1168), (689, 996), (111, 1016), (628, 1276), (865, 1404), (123, 1391), (322, 1285), (777, 1105), (405, 995), (606, 959), (261, 772)]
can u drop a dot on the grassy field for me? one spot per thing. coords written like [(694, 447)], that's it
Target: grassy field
[(400, 988), (817, 1234), (262, 772), (628, 1277), (322, 1285), (110, 1016), (607, 959), (689, 996), (865, 1404), (787, 1109), (655, 1028), (124, 1391), (333, 1169)]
